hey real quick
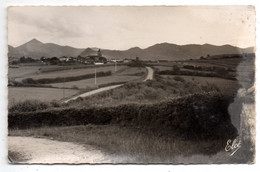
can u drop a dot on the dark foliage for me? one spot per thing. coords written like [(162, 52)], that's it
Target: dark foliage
[(27, 60), (197, 116), (29, 106)]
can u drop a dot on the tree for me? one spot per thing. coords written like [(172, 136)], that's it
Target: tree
[(22, 59)]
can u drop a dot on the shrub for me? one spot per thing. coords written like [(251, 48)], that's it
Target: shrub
[(176, 69), (28, 106), (178, 78)]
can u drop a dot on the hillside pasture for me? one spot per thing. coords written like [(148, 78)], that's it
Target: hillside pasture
[(227, 87), (20, 94)]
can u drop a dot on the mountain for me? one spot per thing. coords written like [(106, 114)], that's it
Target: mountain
[(166, 51), (88, 51), (12, 52), (162, 51), (36, 49)]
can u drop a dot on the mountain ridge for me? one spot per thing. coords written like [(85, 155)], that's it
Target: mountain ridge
[(36, 49), (166, 51)]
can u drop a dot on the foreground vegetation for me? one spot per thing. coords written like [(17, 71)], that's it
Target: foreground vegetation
[(149, 121), (200, 118), (194, 124), (140, 145)]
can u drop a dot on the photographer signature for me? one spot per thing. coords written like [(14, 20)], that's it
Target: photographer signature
[(233, 146)]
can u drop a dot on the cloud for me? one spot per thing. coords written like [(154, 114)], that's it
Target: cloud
[(125, 27)]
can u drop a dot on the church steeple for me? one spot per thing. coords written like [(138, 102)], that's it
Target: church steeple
[(99, 53)]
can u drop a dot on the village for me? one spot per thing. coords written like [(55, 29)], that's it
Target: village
[(93, 59)]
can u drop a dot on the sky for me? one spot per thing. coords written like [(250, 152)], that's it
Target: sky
[(121, 28)]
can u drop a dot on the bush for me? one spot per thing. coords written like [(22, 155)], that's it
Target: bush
[(178, 78), (29, 106), (176, 69)]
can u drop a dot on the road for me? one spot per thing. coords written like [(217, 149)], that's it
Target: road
[(90, 93), (39, 150), (149, 74)]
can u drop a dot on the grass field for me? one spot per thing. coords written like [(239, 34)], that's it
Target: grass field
[(19, 94), (90, 83), (68, 73), (163, 68), (225, 86), (22, 71), (124, 74), (231, 63)]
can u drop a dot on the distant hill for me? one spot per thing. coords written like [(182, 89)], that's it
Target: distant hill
[(163, 51), (166, 51), (12, 52), (88, 51), (36, 49)]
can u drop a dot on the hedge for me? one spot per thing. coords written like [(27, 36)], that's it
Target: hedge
[(194, 116)]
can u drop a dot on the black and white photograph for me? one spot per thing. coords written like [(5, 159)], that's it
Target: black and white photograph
[(131, 84)]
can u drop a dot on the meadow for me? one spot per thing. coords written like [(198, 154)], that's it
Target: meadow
[(67, 73), (34, 77), (125, 74), (20, 94), (227, 87)]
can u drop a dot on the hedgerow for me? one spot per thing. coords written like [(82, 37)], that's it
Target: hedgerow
[(197, 116)]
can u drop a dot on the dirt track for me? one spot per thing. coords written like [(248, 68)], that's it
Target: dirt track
[(149, 74), (39, 150)]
